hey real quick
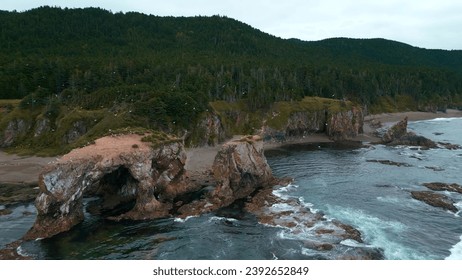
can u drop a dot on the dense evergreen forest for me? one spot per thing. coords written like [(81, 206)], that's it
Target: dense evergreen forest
[(168, 69)]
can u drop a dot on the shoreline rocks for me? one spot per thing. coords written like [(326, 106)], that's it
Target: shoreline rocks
[(294, 218)]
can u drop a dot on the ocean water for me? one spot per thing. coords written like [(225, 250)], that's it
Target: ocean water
[(338, 181)]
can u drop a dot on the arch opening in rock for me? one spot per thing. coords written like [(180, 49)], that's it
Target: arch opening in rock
[(115, 192)]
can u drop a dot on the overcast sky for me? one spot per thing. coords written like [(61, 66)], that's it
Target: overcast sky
[(435, 24)]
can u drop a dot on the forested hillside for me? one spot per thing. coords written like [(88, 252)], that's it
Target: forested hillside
[(82, 51), (163, 72)]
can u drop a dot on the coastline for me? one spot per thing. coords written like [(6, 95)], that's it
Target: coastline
[(24, 170)]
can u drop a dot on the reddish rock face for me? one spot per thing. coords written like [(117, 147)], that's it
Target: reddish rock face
[(239, 169)]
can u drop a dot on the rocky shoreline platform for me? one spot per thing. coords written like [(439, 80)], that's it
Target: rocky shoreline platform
[(139, 177)]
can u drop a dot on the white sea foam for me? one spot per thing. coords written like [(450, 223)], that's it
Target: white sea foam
[(21, 252), (459, 206), (439, 120), (215, 218), (283, 192), (351, 243), (456, 251), (180, 220), (377, 232), (308, 205), (282, 207), (390, 199)]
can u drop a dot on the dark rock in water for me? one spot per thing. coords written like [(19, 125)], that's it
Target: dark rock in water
[(435, 199), (435, 168), (444, 187), (389, 162), (385, 186), (438, 133), (6, 211), (450, 146), (411, 139)]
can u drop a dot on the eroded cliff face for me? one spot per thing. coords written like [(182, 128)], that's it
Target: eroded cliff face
[(342, 125), (15, 129), (208, 131), (345, 125)]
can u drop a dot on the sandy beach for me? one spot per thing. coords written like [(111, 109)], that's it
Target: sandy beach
[(26, 169), (16, 169)]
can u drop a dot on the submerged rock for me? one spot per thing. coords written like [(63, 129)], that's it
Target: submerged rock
[(435, 199), (444, 187), (389, 162)]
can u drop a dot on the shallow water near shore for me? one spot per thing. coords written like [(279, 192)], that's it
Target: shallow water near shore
[(336, 180)]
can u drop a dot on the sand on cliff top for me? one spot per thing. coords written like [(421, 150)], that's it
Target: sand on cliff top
[(109, 147), (17, 169)]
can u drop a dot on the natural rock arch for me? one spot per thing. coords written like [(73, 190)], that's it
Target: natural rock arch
[(120, 169)]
